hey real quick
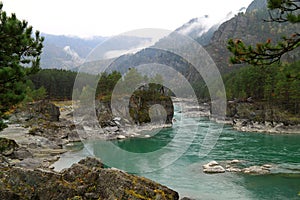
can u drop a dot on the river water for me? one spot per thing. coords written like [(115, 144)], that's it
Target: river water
[(184, 172)]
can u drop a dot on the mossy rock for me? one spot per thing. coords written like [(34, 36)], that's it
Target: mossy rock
[(85, 180), (7, 146), (141, 102)]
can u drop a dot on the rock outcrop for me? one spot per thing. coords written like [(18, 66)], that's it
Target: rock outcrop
[(127, 117), (35, 136), (85, 180), (40, 110), (236, 166), (136, 110)]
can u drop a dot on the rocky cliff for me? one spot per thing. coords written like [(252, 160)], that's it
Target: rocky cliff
[(251, 28), (144, 106)]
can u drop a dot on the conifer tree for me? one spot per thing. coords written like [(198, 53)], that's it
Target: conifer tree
[(19, 56)]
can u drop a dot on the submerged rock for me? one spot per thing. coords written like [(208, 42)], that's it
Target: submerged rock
[(210, 164), (213, 167), (85, 180), (234, 161), (236, 167), (121, 137), (267, 166), (233, 169), (256, 170)]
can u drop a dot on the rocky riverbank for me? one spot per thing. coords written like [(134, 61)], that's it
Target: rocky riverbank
[(246, 125), (84, 180), (246, 116), (260, 117), (36, 137), (40, 134), (43, 124), (42, 130)]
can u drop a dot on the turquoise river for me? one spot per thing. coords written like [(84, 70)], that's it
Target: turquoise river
[(185, 174)]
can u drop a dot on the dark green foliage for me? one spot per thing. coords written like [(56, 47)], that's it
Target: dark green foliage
[(59, 83), (19, 57), (286, 10), (145, 97), (107, 83), (33, 94), (275, 84), (271, 82)]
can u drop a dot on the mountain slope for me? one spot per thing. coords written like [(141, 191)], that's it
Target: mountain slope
[(66, 52), (250, 28), (256, 5), (203, 28)]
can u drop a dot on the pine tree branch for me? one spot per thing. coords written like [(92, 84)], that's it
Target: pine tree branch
[(266, 53), (263, 53)]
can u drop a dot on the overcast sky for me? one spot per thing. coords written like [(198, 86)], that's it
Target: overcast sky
[(112, 17)]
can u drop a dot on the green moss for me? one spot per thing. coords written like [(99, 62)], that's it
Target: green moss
[(76, 198), (92, 188), (33, 130), (134, 194), (105, 98), (162, 193)]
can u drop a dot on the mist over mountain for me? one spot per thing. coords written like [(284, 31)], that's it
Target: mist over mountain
[(70, 52), (66, 52), (203, 28), (196, 27)]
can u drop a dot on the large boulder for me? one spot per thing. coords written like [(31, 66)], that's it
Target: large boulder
[(142, 107), (85, 180), (158, 110), (44, 109), (36, 111)]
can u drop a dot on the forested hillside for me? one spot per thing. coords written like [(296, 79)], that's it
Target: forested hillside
[(275, 84), (59, 83)]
